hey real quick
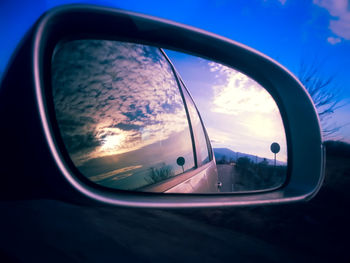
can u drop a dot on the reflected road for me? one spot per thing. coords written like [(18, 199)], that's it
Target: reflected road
[(225, 174)]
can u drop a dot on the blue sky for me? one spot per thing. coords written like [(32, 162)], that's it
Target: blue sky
[(288, 31)]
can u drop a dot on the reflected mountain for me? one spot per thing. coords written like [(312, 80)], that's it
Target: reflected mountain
[(229, 155)]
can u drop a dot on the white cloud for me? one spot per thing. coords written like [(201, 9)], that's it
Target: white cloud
[(243, 116), (239, 94), (339, 10), (334, 40)]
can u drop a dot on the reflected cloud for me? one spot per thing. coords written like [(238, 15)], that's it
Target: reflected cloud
[(264, 126), (105, 103), (247, 115), (114, 174), (115, 98), (238, 93)]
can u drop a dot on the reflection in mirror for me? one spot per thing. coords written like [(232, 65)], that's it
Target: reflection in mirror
[(243, 123), (120, 113), (128, 122)]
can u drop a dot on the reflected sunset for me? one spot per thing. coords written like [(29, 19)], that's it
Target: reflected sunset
[(120, 112)]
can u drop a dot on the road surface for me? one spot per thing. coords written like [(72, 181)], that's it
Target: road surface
[(226, 177)]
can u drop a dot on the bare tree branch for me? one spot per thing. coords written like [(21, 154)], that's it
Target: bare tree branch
[(325, 94)]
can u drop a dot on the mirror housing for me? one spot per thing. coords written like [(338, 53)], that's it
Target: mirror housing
[(305, 151)]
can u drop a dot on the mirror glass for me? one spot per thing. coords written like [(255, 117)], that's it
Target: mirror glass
[(128, 115)]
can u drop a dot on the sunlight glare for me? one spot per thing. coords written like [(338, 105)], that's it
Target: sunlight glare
[(112, 142)]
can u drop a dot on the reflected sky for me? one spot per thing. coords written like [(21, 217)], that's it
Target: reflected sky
[(238, 113), (120, 111)]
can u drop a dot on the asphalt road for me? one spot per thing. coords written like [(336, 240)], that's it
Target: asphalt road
[(226, 177)]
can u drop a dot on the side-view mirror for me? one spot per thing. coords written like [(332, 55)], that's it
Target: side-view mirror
[(140, 111)]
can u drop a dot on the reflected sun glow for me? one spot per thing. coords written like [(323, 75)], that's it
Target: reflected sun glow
[(111, 143)]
